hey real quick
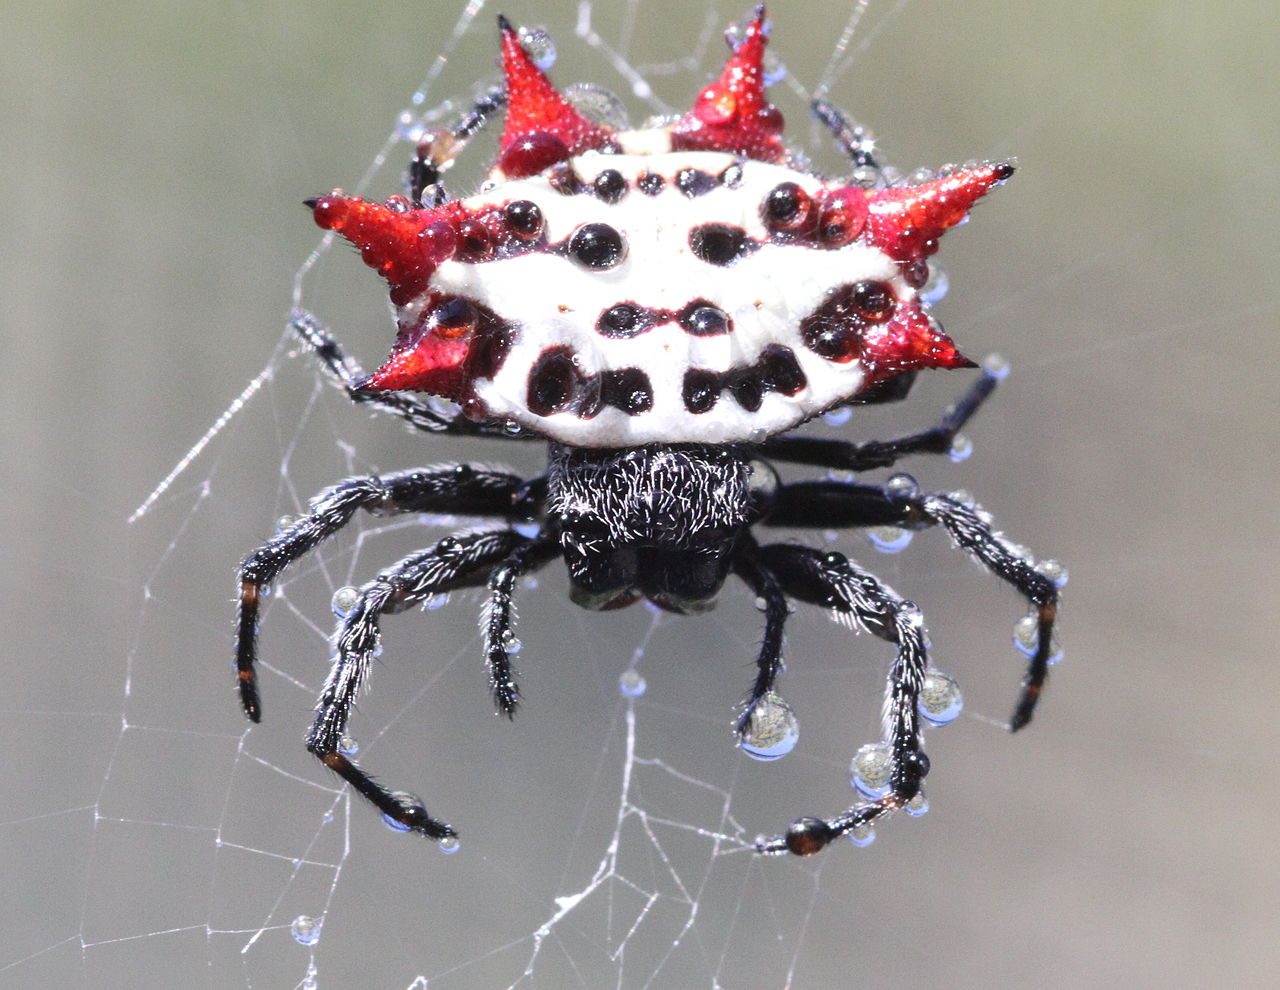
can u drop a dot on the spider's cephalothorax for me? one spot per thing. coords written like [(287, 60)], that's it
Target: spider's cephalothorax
[(661, 305)]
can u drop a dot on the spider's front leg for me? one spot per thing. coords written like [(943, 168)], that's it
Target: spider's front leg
[(454, 562), (831, 580), (460, 488), (836, 503), (845, 456)]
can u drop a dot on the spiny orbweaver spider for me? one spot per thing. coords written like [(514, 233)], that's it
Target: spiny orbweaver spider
[(661, 306)]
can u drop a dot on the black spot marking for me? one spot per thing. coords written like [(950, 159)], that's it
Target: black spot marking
[(701, 390), (625, 319), (780, 371), (694, 182), (609, 185), (720, 244), (702, 319), (552, 382), (777, 370), (524, 218), (746, 386), (597, 246), (731, 177), (627, 389), (835, 329), (787, 207), (650, 183)]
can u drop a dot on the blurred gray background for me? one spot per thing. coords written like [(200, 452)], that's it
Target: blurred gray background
[(155, 156)]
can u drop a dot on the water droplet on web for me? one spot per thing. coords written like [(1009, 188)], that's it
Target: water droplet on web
[(917, 806), (871, 770), (631, 684), (449, 845), (772, 731), (284, 522), (348, 746), (433, 602), (838, 417), (940, 701), (306, 929), (510, 643), (345, 600), (889, 539)]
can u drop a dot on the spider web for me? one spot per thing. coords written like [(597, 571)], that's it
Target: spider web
[(605, 838)]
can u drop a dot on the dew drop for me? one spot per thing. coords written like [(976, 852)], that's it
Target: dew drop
[(539, 46), (964, 497), (995, 366), (838, 417), (433, 602), (449, 845), (917, 806), (772, 730), (761, 479), (406, 800), (284, 522), (306, 929), (1026, 637), (1054, 571), (631, 684), (902, 484), (935, 289), (528, 529), (345, 600), (510, 643), (862, 835), (871, 770), (889, 539), (598, 105), (348, 746), (867, 176), (940, 701), (961, 448)]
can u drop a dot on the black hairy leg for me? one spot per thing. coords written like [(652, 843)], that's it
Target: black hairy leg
[(458, 488), (832, 581), (845, 456), (463, 561), (497, 622), (835, 503)]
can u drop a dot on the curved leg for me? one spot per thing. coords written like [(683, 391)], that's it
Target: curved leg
[(831, 580), (454, 562), (769, 661), (497, 620), (454, 488)]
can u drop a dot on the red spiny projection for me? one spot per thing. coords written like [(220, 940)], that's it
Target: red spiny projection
[(542, 127), (403, 245), (908, 341), (732, 114), (906, 222)]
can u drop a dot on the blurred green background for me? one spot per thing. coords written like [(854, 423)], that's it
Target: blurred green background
[(155, 156)]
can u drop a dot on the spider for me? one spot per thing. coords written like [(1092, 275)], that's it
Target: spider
[(661, 306)]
